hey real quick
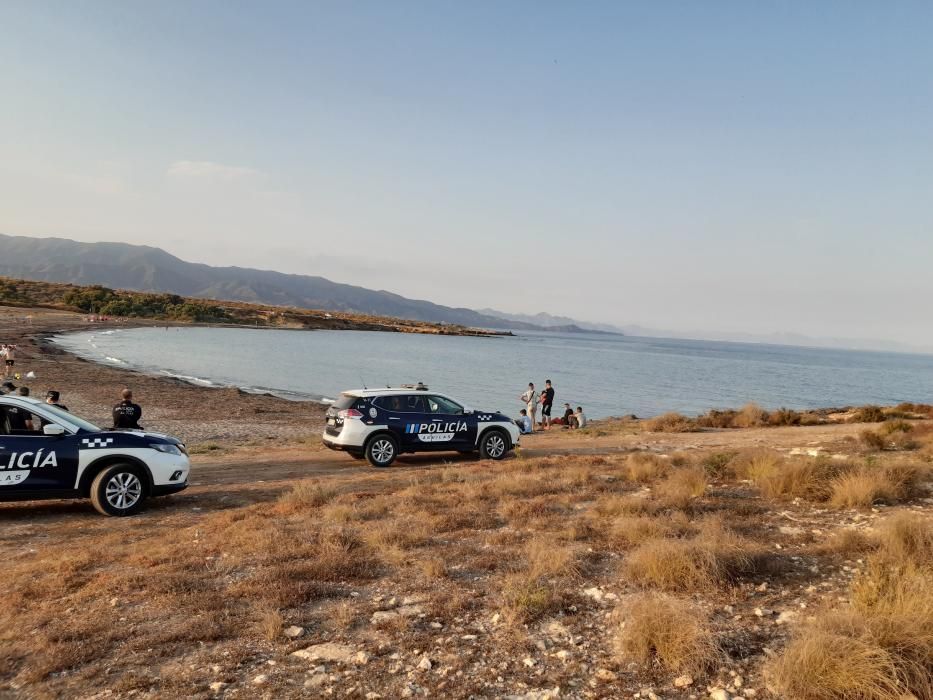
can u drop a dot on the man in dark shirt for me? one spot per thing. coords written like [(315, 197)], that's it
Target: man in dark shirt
[(52, 397), (20, 419), (126, 414), (547, 402)]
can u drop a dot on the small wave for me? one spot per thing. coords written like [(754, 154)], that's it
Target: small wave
[(116, 360), (107, 332), (188, 378), (94, 346)]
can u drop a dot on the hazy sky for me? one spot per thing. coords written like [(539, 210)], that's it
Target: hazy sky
[(733, 166)]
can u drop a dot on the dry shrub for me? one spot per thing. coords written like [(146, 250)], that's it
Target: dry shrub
[(895, 426), (716, 555), (872, 440), (670, 423), (811, 479), (751, 415), (868, 485), (755, 464), (848, 543), (907, 537), (717, 419), (785, 416), (717, 465), (881, 646), (304, 496), (682, 487), (823, 665), (533, 590), (433, 567), (655, 626), (868, 414), (644, 467), (632, 530), (270, 624)]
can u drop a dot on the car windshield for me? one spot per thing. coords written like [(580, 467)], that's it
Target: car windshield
[(67, 418)]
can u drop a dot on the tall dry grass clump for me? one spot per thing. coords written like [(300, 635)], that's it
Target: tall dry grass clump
[(303, 496), (751, 415), (670, 423), (655, 626), (881, 645), (714, 556), (682, 487), (534, 588), (645, 467)]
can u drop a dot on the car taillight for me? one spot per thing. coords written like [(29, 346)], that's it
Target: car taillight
[(349, 413)]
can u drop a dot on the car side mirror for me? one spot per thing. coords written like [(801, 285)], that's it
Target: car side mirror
[(53, 429), (467, 411)]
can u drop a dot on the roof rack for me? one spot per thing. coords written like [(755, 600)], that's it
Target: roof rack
[(420, 386)]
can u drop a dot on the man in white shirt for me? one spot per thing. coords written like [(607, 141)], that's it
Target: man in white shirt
[(579, 418), (530, 398)]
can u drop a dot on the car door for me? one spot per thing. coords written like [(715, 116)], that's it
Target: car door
[(450, 427), (407, 418), (31, 461)]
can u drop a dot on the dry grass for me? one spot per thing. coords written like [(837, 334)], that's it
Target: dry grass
[(716, 555), (533, 590), (670, 423), (868, 485), (305, 495), (682, 487), (751, 415), (655, 626), (881, 645), (645, 467)]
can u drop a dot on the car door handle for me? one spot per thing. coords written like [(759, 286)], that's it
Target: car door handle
[(391, 418)]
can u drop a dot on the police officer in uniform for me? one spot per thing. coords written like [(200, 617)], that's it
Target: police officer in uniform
[(126, 414)]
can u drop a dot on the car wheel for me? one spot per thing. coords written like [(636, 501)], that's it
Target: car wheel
[(493, 445), (381, 450), (118, 490)]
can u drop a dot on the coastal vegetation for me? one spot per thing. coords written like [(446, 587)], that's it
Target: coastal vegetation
[(98, 301)]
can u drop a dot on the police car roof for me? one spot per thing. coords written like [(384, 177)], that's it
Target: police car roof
[(381, 392), (24, 399)]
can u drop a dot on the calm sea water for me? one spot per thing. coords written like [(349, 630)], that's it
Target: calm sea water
[(607, 375)]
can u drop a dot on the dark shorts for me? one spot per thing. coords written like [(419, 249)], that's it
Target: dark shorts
[(9, 363), (546, 409)]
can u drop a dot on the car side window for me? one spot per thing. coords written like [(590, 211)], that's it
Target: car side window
[(438, 404), (400, 403)]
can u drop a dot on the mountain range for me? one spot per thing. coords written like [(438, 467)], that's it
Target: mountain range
[(148, 269)]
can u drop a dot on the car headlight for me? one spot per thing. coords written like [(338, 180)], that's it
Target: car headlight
[(166, 448)]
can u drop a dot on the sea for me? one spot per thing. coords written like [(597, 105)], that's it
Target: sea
[(608, 375)]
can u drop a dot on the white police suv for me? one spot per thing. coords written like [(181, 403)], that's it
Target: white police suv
[(46, 452), (380, 424)]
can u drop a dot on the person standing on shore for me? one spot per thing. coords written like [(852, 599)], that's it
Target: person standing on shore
[(530, 398), (9, 357), (547, 401), (126, 414)]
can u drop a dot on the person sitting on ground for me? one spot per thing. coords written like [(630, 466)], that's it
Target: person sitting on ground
[(52, 397), (524, 423), (126, 414), (579, 418), (568, 416)]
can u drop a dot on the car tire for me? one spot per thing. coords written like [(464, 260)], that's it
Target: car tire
[(381, 450), (119, 490), (494, 444)]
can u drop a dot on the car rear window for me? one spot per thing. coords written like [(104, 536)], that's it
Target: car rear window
[(345, 401)]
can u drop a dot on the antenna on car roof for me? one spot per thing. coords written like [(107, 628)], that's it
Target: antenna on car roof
[(362, 382)]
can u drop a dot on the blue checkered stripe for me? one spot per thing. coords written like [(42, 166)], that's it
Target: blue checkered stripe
[(97, 442)]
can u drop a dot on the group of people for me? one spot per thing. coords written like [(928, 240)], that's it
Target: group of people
[(126, 413), (526, 422)]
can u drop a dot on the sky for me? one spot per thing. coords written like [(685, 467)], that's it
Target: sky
[(725, 166)]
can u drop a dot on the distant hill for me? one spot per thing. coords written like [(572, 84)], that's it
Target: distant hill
[(554, 323), (147, 269)]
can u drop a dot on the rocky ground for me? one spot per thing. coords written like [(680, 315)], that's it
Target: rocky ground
[(610, 563)]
